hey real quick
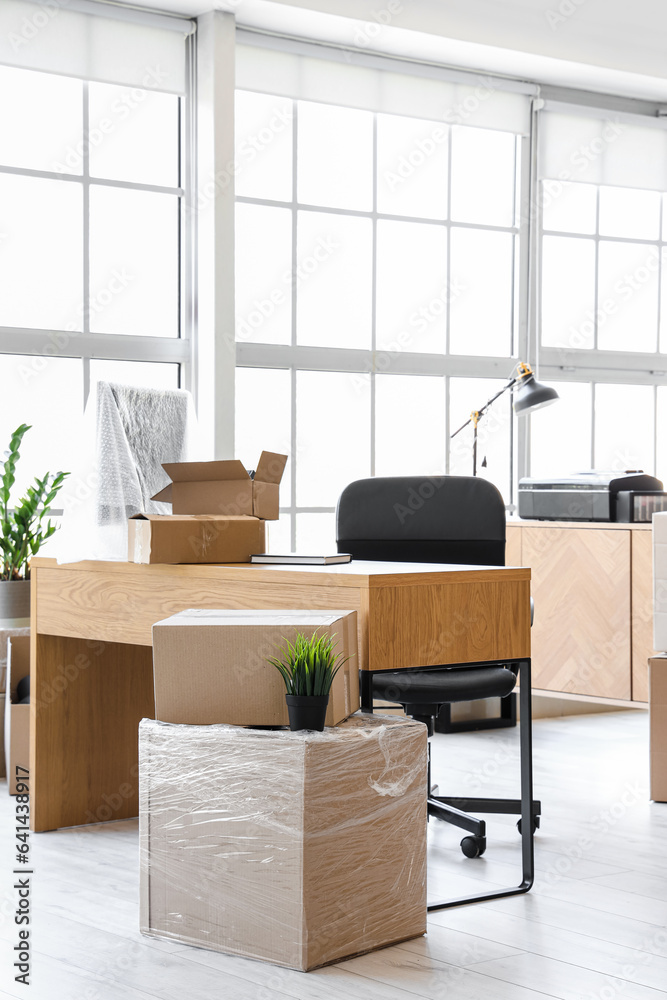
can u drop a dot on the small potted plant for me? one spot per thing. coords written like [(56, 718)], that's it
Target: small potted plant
[(308, 667), (23, 529)]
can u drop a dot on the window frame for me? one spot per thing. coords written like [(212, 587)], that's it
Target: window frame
[(294, 357), (595, 365), (86, 346)]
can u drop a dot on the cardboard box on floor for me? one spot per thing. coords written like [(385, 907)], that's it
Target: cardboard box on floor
[(3, 769), (17, 717), (298, 849), (225, 487), (8, 628), (657, 672), (160, 538), (211, 667)]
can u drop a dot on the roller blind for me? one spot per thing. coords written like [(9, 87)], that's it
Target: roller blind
[(596, 147), (380, 84), (107, 46)]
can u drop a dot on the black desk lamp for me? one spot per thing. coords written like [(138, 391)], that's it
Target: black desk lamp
[(530, 395)]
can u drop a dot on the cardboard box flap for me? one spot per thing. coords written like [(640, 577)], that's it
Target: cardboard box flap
[(200, 472), (164, 496), (224, 487), (205, 472), (270, 467)]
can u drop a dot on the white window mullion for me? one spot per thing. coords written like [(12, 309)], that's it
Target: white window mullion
[(86, 212)]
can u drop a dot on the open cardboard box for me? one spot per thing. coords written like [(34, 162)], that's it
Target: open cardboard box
[(225, 487), (173, 538), (211, 666), (17, 717)]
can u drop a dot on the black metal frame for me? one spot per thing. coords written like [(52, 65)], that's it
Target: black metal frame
[(525, 807)]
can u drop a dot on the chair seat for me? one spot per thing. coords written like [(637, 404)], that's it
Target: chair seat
[(442, 686)]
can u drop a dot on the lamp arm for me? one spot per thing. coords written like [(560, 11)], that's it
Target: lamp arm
[(474, 417)]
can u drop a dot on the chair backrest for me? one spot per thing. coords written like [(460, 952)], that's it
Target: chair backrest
[(443, 519)]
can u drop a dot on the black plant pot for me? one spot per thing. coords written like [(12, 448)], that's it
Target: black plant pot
[(307, 711)]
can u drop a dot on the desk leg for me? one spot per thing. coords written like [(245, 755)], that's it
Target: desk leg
[(87, 700)]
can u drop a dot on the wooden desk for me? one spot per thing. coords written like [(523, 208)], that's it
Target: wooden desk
[(91, 657)]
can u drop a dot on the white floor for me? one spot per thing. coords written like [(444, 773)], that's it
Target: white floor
[(593, 926)]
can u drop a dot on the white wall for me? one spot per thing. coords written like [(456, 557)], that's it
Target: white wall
[(612, 46), (618, 34)]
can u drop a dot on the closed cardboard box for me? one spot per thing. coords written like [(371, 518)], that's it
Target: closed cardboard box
[(211, 666), (298, 849), (17, 717), (165, 538), (225, 487), (657, 670)]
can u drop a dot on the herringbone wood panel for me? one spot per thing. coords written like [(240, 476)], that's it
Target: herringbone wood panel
[(581, 587)]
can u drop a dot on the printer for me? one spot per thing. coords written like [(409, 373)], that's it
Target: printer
[(592, 496)]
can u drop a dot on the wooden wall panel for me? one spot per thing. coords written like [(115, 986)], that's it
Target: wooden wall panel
[(513, 555), (642, 612), (581, 586)]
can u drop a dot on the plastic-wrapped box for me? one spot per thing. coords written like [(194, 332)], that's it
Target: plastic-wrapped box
[(298, 849)]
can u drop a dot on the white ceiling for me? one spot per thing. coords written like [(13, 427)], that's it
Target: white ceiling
[(611, 46)]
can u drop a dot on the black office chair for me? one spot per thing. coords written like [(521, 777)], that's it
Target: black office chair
[(443, 519)]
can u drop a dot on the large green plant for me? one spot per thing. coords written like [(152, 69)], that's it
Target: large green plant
[(309, 664), (24, 529)]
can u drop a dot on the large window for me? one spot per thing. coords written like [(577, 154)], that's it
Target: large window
[(92, 185), (603, 315), (377, 276)]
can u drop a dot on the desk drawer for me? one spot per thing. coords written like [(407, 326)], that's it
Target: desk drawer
[(448, 623)]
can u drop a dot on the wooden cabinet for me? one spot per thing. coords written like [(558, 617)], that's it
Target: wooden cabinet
[(642, 611), (592, 587)]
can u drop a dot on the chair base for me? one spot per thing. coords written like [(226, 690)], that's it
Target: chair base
[(453, 810), (456, 812), (507, 718)]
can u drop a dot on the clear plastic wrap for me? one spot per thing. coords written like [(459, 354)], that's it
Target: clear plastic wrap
[(298, 849), (128, 433)]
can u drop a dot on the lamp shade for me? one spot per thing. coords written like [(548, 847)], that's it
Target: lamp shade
[(532, 395)]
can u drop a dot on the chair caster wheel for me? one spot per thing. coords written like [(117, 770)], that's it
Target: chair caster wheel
[(473, 847), (536, 824)]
